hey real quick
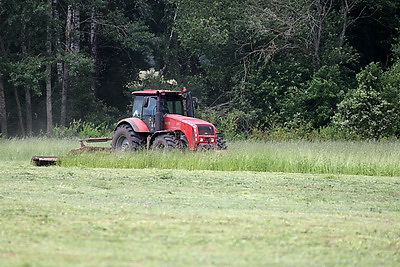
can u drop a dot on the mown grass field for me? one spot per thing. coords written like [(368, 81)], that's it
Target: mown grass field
[(77, 214)]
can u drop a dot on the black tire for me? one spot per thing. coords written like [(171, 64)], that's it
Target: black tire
[(221, 143), (125, 139), (204, 147), (164, 142), (183, 143)]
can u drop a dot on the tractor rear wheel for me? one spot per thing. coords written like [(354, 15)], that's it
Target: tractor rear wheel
[(221, 143), (125, 139), (164, 142)]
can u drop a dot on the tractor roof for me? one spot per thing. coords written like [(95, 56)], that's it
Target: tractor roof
[(155, 92)]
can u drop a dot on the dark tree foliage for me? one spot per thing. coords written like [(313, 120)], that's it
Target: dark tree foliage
[(253, 64)]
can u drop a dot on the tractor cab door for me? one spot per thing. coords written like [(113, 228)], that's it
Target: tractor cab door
[(149, 111)]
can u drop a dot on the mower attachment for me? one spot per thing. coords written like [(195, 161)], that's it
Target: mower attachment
[(44, 160), (51, 160)]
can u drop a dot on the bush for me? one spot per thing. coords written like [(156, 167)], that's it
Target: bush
[(81, 129), (233, 124), (372, 109), (303, 132)]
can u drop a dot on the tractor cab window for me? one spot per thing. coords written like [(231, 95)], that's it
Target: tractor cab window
[(172, 104), (149, 105)]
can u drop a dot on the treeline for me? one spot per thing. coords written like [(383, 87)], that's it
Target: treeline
[(256, 65)]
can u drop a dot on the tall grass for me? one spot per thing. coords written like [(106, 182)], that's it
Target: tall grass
[(23, 149), (333, 157)]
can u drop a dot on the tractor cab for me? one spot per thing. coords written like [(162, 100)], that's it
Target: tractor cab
[(165, 119), (169, 102)]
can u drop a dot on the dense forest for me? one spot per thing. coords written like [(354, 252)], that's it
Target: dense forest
[(255, 65)]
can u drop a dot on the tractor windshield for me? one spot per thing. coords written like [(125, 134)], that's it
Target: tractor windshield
[(172, 104), (145, 106), (137, 106)]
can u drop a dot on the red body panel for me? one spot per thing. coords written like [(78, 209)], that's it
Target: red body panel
[(188, 126), (155, 92)]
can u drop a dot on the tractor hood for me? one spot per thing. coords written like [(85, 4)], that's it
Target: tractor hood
[(195, 130), (170, 119)]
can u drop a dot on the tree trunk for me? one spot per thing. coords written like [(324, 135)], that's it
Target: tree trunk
[(75, 31), (3, 110), (57, 45), (64, 91), (348, 6), (345, 10), (316, 29), (64, 82), (28, 102), (72, 45), (94, 52), (28, 111), (49, 105), (322, 10), (19, 112)]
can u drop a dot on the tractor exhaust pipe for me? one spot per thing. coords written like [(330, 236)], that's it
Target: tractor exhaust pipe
[(159, 119), (189, 105)]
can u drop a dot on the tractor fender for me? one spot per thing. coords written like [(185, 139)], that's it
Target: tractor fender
[(137, 125)]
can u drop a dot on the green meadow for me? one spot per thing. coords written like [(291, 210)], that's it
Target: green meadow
[(258, 203)]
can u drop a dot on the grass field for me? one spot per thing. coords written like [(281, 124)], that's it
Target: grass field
[(79, 215)]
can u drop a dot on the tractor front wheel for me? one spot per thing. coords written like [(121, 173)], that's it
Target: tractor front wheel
[(221, 143), (182, 143), (164, 142), (125, 139)]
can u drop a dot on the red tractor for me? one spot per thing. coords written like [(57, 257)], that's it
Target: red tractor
[(160, 120)]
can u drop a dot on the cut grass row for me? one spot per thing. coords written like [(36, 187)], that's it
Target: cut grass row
[(150, 217), (356, 158)]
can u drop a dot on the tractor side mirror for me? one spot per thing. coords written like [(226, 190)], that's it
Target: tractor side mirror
[(195, 102), (146, 102)]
